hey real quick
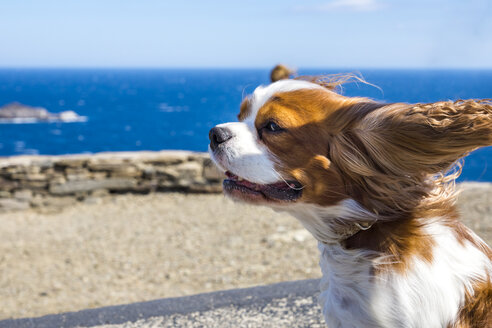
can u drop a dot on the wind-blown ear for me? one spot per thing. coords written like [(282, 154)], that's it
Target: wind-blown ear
[(425, 138), (398, 154)]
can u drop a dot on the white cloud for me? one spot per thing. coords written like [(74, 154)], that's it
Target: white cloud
[(348, 5)]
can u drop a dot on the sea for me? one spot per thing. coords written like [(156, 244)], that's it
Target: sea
[(156, 109)]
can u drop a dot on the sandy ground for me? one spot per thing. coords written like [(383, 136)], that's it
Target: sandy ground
[(133, 248)]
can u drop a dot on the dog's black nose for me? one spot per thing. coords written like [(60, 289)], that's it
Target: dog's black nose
[(218, 135)]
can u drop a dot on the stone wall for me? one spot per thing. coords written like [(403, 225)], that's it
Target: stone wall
[(58, 181)]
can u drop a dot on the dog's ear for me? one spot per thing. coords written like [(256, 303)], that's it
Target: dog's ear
[(422, 138), (395, 155)]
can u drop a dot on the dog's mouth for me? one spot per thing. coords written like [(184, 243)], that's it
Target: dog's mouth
[(282, 191)]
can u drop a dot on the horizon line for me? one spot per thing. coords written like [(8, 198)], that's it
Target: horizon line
[(238, 68)]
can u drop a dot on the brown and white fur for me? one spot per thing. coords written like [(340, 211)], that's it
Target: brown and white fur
[(372, 183)]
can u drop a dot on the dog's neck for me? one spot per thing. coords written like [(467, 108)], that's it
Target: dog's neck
[(334, 224)]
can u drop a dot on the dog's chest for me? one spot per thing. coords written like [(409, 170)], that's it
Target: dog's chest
[(346, 288), (354, 293)]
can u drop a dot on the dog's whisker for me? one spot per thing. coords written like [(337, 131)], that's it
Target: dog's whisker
[(287, 183)]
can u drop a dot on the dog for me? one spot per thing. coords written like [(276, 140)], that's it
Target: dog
[(374, 184)]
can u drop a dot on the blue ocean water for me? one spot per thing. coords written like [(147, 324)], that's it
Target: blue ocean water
[(174, 109)]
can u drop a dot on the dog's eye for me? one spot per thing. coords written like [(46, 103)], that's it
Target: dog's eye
[(273, 127), (270, 127)]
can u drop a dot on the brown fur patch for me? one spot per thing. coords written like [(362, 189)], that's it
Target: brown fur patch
[(405, 239), (401, 240), (477, 310)]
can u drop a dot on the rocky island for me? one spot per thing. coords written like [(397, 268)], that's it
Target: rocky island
[(19, 113)]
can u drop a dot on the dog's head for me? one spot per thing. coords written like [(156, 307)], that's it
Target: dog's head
[(300, 142)]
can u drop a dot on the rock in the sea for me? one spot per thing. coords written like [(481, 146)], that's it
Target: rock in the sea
[(17, 110), (19, 113)]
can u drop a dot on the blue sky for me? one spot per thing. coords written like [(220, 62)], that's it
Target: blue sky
[(254, 33)]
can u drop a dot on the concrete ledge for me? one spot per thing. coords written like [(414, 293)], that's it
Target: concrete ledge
[(259, 297)]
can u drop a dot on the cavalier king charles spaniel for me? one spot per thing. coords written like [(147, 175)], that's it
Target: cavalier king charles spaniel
[(374, 184)]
